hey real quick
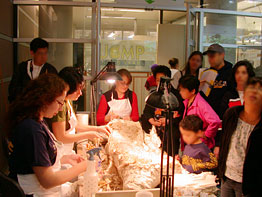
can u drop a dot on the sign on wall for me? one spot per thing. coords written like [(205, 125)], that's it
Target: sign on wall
[(135, 54)]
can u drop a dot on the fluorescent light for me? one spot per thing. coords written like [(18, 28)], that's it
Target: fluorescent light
[(122, 10), (131, 36), (115, 17), (111, 35), (131, 10), (119, 17), (111, 81)]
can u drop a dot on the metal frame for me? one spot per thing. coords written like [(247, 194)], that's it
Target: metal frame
[(228, 12), (190, 41), (56, 40), (196, 42), (202, 12), (201, 31), (61, 3)]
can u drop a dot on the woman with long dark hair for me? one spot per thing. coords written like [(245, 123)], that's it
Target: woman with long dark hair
[(36, 157), (242, 72), (194, 63)]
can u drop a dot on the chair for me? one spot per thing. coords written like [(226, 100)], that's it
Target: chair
[(9, 188)]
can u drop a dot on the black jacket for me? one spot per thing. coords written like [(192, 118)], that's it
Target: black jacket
[(252, 172), (223, 83), (149, 112), (21, 78), (233, 94)]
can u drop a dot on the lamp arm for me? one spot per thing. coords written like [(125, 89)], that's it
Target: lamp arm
[(96, 78)]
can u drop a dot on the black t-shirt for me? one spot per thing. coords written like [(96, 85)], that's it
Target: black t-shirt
[(33, 146)]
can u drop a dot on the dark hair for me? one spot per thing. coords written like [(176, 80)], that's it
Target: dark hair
[(38, 43), (189, 82), (72, 77), (191, 123), (125, 72), (162, 69), (173, 62), (38, 94), (254, 81), (187, 67), (249, 67)]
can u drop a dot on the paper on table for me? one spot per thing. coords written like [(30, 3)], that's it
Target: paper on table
[(209, 76)]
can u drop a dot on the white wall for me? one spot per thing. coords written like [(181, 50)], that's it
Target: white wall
[(171, 43)]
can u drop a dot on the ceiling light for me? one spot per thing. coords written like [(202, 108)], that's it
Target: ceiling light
[(115, 17), (131, 36), (111, 35), (122, 10)]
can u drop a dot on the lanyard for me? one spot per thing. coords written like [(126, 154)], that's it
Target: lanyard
[(31, 69), (189, 106)]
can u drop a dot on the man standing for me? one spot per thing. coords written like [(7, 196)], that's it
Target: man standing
[(224, 81), (30, 69)]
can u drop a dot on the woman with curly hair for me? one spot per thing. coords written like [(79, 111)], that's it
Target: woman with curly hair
[(35, 158)]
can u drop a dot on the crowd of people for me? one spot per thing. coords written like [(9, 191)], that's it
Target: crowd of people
[(220, 131)]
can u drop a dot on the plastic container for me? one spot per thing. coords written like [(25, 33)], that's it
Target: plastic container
[(91, 177), (144, 194)]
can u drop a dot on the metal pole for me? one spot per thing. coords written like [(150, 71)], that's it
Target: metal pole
[(201, 31), (188, 19), (96, 59)]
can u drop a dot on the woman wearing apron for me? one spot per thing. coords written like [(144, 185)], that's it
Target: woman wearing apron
[(119, 102), (64, 124), (36, 156)]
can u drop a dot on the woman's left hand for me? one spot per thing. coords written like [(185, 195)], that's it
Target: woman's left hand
[(71, 159), (163, 121), (104, 129)]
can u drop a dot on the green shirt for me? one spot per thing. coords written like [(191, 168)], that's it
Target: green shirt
[(63, 115)]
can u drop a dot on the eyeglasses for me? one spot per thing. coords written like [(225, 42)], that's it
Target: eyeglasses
[(60, 103)]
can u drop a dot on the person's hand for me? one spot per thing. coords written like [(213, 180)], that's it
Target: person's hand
[(157, 123), (177, 157), (92, 135), (104, 129), (111, 116), (127, 118), (154, 122), (71, 159), (176, 114), (163, 121), (216, 151)]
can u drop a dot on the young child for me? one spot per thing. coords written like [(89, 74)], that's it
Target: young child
[(197, 157), (195, 104)]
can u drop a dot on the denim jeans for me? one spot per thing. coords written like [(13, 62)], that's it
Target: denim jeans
[(231, 188)]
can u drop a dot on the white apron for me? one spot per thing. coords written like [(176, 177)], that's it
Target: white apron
[(68, 148), (30, 183), (121, 107)]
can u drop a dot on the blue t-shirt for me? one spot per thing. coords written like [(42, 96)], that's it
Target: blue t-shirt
[(33, 146), (198, 158)]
